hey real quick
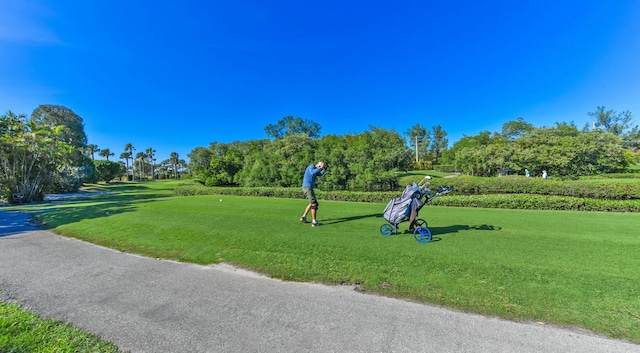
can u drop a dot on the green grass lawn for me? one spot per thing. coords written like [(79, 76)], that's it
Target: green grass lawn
[(23, 331), (567, 268)]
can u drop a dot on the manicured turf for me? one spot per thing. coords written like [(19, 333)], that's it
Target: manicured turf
[(22, 331), (568, 268)]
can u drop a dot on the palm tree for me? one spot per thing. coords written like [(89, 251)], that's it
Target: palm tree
[(106, 153), (150, 151), (125, 156), (174, 160), (140, 157), (129, 148), (182, 164), (91, 150)]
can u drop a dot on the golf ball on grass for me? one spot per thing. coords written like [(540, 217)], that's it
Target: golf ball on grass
[(220, 200)]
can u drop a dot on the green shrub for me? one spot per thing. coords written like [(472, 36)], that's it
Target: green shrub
[(186, 189), (538, 202), (633, 174), (518, 185)]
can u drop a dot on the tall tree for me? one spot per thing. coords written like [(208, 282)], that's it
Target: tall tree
[(419, 140), (55, 115), (73, 133), (514, 129), (199, 162), (129, 149), (150, 154), (439, 142), (610, 121), (140, 158), (293, 126), (174, 159), (92, 150), (632, 139), (125, 156)]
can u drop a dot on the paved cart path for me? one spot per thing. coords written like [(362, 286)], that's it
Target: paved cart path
[(147, 305)]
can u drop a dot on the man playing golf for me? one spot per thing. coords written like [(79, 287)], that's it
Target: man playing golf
[(308, 183)]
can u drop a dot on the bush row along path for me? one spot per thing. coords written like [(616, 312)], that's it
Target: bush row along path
[(147, 305)]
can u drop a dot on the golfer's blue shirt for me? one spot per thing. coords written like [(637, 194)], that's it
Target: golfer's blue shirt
[(310, 176)]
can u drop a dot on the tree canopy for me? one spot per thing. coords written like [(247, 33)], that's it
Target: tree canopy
[(293, 126)]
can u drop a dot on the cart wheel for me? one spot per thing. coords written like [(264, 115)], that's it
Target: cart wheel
[(420, 223), (386, 229), (422, 234)]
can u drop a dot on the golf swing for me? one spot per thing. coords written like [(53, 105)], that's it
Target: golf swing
[(308, 183)]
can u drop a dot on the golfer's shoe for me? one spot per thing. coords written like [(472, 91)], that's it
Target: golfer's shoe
[(315, 224), (303, 219)]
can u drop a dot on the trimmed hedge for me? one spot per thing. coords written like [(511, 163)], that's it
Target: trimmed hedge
[(510, 201), (538, 186), (187, 189), (538, 202), (632, 174)]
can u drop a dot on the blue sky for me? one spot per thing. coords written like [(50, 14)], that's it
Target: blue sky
[(174, 75)]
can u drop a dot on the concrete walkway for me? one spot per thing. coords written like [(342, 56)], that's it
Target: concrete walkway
[(147, 305)]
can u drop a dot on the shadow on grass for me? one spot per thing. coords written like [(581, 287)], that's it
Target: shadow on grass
[(59, 212), (352, 218), (436, 231)]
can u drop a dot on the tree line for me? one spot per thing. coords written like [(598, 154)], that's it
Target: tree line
[(371, 160), (608, 144), (366, 161), (48, 152)]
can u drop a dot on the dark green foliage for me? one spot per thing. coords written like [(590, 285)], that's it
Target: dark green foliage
[(562, 150), (70, 179), (512, 130), (539, 186), (538, 202), (73, 132), (31, 153), (333, 149), (365, 162), (293, 126), (108, 170), (57, 115), (225, 161), (374, 158), (189, 189)]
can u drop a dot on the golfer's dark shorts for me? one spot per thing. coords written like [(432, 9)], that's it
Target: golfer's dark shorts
[(309, 194)]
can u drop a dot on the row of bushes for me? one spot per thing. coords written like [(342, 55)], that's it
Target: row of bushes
[(519, 185), (632, 174), (538, 202), (187, 189), (510, 201)]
